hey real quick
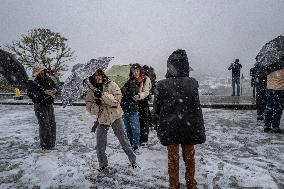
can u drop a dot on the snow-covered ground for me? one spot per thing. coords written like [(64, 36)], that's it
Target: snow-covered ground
[(237, 154)]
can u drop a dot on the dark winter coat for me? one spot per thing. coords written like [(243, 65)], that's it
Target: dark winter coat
[(129, 90), (36, 88), (236, 69), (259, 76), (177, 109)]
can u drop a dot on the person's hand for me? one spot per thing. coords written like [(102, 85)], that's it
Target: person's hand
[(50, 93), (98, 94), (136, 97), (98, 102)]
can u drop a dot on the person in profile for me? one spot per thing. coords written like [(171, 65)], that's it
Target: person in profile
[(42, 90), (236, 72)]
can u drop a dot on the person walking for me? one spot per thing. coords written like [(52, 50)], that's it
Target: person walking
[(42, 91), (130, 107), (178, 114), (103, 99), (236, 71), (275, 101)]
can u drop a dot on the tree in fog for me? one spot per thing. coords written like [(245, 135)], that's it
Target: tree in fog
[(42, 46)]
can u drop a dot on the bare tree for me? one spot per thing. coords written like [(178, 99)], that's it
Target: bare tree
[(42, 46)]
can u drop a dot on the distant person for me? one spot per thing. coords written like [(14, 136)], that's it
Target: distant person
[(42, 91), (259, 82), (275, 100), (103, 99), (179, 117), (236, 72), (130, 106), (252, 72)]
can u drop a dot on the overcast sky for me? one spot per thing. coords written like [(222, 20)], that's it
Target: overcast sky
[(213, 32)]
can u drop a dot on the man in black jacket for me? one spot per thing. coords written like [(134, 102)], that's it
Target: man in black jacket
[(42, 91), (177, 112), (236, 72)]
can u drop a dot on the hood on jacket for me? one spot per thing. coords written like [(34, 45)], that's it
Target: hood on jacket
[(37, 69), (178, 65)]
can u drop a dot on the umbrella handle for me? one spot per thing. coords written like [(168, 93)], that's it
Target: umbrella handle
[(85, 83)]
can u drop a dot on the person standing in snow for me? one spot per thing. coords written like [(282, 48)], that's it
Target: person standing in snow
[(275, 100), (259, 82), (103, 100), (130, 106), (142, 98), (236, 72), (178, 114), (150, 72), (42, 91)]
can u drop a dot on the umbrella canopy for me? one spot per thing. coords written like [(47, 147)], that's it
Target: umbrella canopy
[(119, 74), (271, 55), (12, 70), (73, 86)]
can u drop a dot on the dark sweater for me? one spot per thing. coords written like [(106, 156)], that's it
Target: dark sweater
[(129, 90)]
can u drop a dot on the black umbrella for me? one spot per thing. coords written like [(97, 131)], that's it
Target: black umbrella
[(271, 55), (12, 70)]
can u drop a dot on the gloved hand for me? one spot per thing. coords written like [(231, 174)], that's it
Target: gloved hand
[(136, 97), (98, 94), (50, 93), (98, 101)]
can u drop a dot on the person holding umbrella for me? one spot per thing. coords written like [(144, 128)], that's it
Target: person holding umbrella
[(271, 59), (42, 91), (103, 100), (275, 98)]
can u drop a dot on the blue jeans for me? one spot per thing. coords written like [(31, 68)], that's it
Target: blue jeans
[(236, 81), (132, 127), (274, 108)]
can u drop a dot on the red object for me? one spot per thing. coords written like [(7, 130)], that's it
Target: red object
[(140, 79)]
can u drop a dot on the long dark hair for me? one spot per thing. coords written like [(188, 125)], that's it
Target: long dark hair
[(134, 66), (99, 72)]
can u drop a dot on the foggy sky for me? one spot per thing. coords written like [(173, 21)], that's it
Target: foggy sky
[(213, 32)]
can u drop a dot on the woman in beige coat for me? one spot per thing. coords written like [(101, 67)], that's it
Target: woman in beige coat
[(103, 100)]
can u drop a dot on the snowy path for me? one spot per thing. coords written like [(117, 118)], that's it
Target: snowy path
[(237, 154)]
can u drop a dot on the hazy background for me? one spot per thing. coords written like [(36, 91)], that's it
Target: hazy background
[(213, 32)]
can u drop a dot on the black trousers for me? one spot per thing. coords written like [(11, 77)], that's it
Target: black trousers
[(47, 125), (261, 100), (274, 109), (144, 113)]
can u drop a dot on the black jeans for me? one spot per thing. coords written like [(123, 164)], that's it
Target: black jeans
[(144, 113), (47, 125), (274, 108), (261, 100)]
